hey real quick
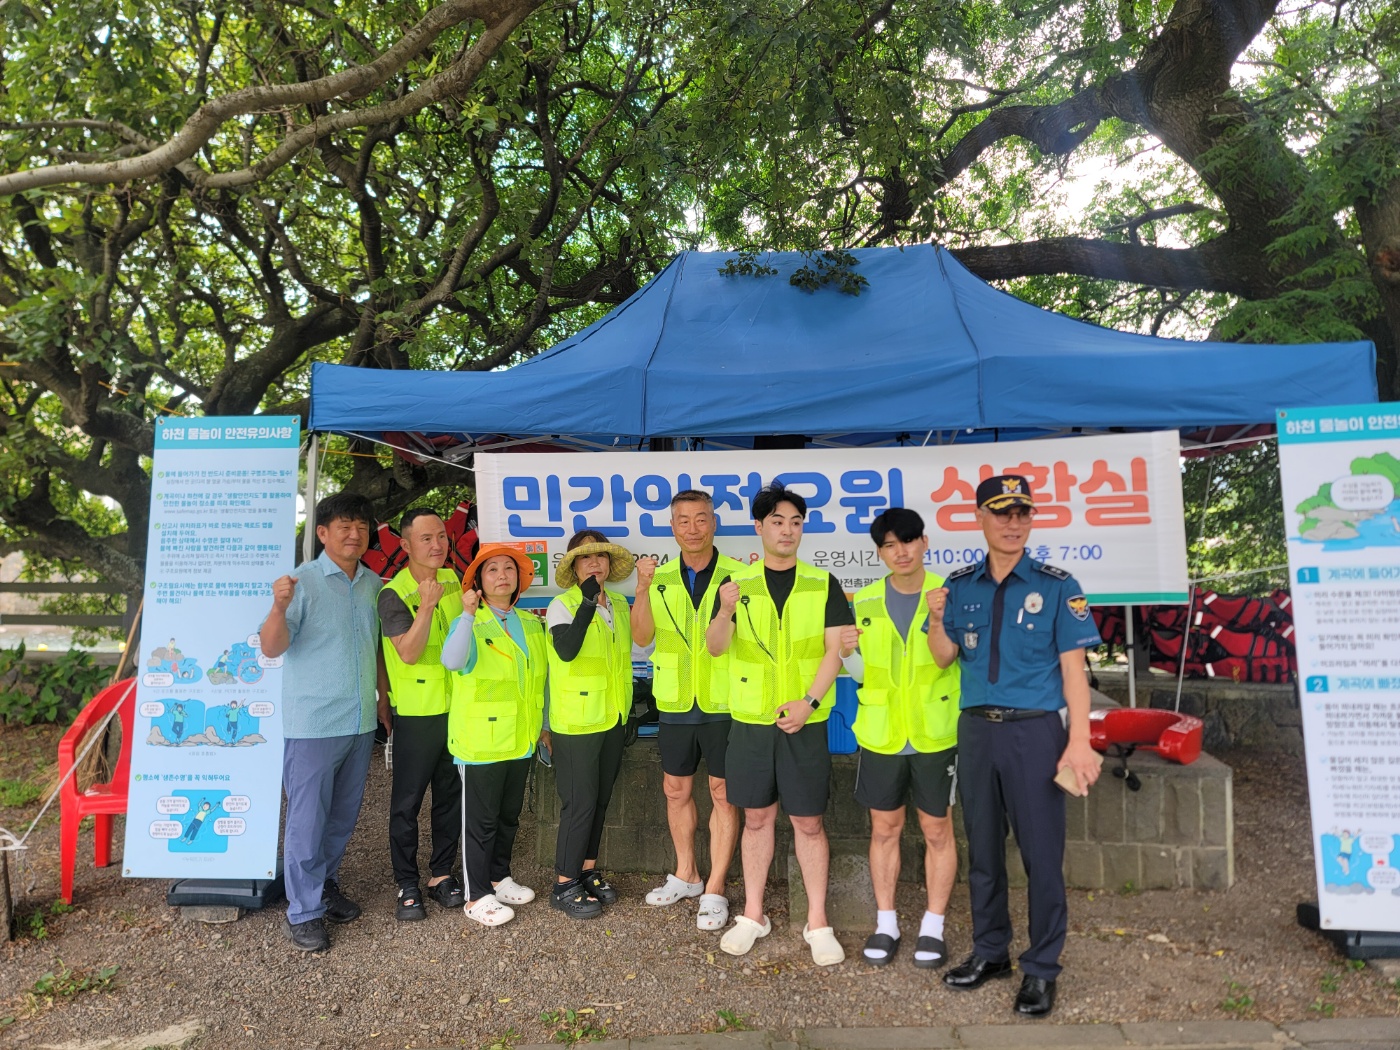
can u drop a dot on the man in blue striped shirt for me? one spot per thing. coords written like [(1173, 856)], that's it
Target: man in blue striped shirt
[(324, 620)]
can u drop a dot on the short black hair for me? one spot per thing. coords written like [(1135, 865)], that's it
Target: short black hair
[(349, 505), (413, 514), (907, 525), (768, 498)]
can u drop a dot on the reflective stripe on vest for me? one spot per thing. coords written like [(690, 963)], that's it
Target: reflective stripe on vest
[(593, 691), (683, 671), (905, 696), (424, 687), (772, 659), (498, 707)]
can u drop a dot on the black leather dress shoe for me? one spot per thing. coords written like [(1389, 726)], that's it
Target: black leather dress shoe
[(974, 972), (1036, 997)]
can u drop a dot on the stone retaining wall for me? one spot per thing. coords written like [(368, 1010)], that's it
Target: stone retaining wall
[(1237, 714)]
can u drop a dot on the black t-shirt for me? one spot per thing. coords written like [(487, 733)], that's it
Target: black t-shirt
[(780, 581)]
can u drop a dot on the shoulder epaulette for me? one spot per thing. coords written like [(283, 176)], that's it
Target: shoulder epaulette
[(966, 570), (1052, 570)]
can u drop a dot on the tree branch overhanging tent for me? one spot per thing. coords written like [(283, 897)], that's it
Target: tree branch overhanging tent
[(927, 353)]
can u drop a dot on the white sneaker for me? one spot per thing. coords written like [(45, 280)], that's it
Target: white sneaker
[(508, 891)]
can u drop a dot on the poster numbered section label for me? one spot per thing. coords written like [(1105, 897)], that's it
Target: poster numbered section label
[(1341, 501), (206, 760), (1109, 507)]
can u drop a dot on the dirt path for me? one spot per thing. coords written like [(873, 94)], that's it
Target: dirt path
[(1130, 957)]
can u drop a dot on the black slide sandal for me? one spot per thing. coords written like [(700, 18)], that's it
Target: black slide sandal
[(881, 942), (930, 944)]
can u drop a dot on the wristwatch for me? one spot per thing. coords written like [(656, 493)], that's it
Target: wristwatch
[(812, 700)]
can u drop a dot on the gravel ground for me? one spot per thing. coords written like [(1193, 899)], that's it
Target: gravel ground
[(641, 971)]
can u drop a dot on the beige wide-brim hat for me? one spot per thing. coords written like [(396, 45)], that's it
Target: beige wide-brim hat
[(621, 562), (524, 567)]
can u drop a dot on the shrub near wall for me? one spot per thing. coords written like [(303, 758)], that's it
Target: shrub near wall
[(31, 693)]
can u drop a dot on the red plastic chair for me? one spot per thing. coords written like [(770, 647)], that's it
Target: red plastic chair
[(101, 800)]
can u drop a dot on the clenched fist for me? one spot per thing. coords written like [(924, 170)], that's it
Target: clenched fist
[(282, 590), (937, 600), (429, 593), (850, 639), (471, 600), (728, 597), (646, 572)]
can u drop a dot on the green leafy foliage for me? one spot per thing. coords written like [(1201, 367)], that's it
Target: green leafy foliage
[(32, 692), (1235, 520)]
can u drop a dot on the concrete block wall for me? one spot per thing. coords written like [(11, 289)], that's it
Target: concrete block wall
[(1236, 714), (1176, 832)]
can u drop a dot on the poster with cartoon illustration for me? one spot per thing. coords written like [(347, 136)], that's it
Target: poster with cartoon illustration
[(206, 763), (1341, 479)]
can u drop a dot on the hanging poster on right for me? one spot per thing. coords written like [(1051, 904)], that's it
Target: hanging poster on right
[(1341, 499)]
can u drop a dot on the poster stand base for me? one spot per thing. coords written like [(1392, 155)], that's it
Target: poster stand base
[(1354, 944), (248, 894)]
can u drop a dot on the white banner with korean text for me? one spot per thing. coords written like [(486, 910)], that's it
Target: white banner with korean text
[(1109, 508)]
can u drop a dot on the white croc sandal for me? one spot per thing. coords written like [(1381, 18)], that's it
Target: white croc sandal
[(713, 914), (826, 949), (489, 911), (739, 938), (674, 889), (508, 891)]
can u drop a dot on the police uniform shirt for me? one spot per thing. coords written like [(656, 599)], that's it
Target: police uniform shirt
[(1010, 635)]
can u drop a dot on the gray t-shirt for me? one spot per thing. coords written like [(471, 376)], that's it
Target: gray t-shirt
[(901, 607), (394, 616)]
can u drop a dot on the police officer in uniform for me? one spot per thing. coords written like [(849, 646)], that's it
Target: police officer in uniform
[(1019, 628)]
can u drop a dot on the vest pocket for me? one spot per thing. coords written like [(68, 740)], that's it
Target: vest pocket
[(872, 726), (665, 679), (746, 693), (489, 729), (581, 700)]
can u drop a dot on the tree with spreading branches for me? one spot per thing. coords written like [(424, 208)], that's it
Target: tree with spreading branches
[(197, 200)]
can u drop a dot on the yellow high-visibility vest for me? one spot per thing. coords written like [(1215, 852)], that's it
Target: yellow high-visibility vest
[(423, 688), (498, 707), (593, 691), (775, 659), (683, 671), (906, 696)]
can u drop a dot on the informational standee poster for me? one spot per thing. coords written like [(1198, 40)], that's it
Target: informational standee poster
[(1109, 507), (206, 758), (1341, 479)]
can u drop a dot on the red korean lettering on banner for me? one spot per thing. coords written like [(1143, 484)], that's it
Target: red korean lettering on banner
[(1125, 502)]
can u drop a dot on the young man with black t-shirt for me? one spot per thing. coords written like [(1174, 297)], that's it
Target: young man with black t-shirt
[(780, 621)]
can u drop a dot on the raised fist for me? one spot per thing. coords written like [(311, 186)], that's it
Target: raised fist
[(471, 600), (429, 593), (728, 596), (937, 600), (282, 590), (646, 572), (850, 638), (591, 588)]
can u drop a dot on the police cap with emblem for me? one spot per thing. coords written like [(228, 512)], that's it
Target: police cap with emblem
[(1003, 492)]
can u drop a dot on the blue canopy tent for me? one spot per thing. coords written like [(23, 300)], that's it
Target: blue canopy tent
[(927, 353)]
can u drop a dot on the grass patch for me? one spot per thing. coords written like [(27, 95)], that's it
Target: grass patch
[(17, 793)]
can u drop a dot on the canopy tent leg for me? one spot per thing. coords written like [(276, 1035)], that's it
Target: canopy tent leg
[(308, 535), (1130, 643)]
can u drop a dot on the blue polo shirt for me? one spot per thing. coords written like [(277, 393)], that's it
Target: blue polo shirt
[(330, 671), (1010, 635)]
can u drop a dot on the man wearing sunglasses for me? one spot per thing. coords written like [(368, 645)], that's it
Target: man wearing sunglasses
[(1019, 628)]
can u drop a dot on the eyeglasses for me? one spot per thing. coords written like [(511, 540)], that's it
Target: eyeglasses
[(1014, 514)]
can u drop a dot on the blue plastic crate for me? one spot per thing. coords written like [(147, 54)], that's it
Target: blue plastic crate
[(840, 727)]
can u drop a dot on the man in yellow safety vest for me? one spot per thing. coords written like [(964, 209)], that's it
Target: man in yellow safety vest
[(780, 620), (416, 608), (907, 728), (691, 687)]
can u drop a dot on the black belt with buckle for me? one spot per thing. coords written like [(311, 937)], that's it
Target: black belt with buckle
[(1006, 714)]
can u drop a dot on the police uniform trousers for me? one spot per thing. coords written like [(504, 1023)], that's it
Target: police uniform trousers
[(421, 759), (1006, 775)]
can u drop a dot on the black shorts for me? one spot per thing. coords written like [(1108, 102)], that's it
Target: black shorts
[(682, 746), (766, 765), (883, 781)]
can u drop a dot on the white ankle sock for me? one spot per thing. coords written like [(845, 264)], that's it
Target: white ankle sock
[(931, 926), (886, 922)]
